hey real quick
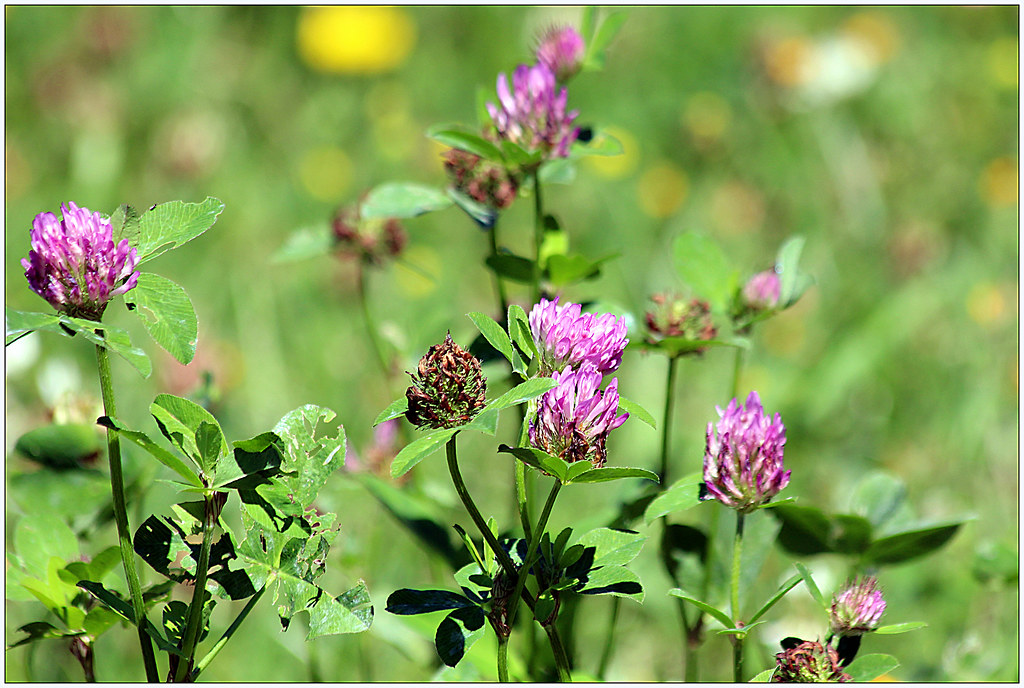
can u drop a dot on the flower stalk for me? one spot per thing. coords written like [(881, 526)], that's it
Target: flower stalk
[(193, 629), (737, 549)]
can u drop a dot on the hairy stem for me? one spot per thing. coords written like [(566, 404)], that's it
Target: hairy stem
[(124, 538)]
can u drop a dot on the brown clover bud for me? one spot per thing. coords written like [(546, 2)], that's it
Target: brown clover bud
[(809, 662), (483, 181), (448, 387), (673, 316), (370, 240)]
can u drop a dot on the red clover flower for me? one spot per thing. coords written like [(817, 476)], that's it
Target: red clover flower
[(743, 456), (74, 264), (561, 50), (565, 336), (858, 608), (574, 418), (762, 290), (532, 113)]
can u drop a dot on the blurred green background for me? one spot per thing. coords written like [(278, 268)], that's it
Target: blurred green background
[(887, 136)]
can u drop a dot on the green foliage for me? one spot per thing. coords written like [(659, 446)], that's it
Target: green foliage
[(402, 200), (167, 313), (60, 446), (869, 667), (702, 265), (169, 225), (574, 472)]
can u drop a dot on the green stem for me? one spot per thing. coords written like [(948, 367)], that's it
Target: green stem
[(460, 487), (690, 646), (502, 659), (195, 610), (609, 639), (666, 424), (538, 233), (520, 471), (499, 284), (737, 652), (542, 522), (215, 650), (558, 650), (736, 372), (124, 538), (371, 328)]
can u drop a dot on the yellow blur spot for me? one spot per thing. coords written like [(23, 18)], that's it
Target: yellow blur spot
[(420, 277), (617, 166), (325, 173), (1003, 61), (662, 189), (18, 177), (986, 304), (885, 678), (707, 115), (876, 31), (999, 182), (788, 61), (355, 39), (736, 208)]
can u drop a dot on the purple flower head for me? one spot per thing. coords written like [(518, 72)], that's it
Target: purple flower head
[(74, 264), (858, 608), (532, 113), (574, 418), (762, 291), (743, 456), (565, 336), (561, 49)]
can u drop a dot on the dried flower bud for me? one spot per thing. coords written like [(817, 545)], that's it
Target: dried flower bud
[(857, 608), (809, 662), (448, 387), (74, 263), (673, 316), (743, 456), (482, 180), (561, 49)]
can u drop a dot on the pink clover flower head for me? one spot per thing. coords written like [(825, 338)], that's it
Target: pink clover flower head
[(858, 608), (74, 264), (762, 291), (743, 456), (561, 50), (574, 419), (565, 336), (532, 111)]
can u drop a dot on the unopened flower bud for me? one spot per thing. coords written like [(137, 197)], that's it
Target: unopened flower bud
[(809, 662), (762, 291), (673, 316), (369, 240), (857, 608), (482, 180), (448, 387), (561, 49)]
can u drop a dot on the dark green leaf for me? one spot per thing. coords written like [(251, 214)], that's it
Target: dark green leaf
[(893, 629), (256, 460), (563, 270), (483, 215), (602, 475), (458, 632), (911, 544), (305, 243), (396, 408), (702, 265), (850, 534), (466, 141), (520, 332), (40, 630), (869, 667), (172, 224), (156, 451), (637, 411), (613, 547), (20, 323), (682, 495), (511, 267), (613, 580), (403, 200), (552, 465), (811, 586), (805, 530), (167, 313), (124, 610), (493, 333), (179, 420), (61, 447), (721, 616), (419, 449), (407, 601), (779, 594)]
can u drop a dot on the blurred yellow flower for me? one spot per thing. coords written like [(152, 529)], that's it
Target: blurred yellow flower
[(325, 173), (788, 61), (876, 31), (662, 188), (1003, 62), (986, 304), (999, 182), (885, 678), (707, 115), (355, 39), (617, 166)]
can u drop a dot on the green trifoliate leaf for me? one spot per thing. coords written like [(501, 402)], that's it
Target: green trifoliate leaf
[(511, 267), (407, 601), (702, 264), (113, 339), (167, 313), (20, 323), (180, 420), (156, 451), (683, 494), (403, 200), (419, 449), (613, 547), (450, 135), (308, 242), (169, 225), (869, 667)]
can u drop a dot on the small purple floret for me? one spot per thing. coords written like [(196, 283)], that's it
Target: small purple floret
[(574, 418), (743, 456), (762, 291), (532, 112), (565, 336), (858, 608), (74, 264), (561, 49)]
